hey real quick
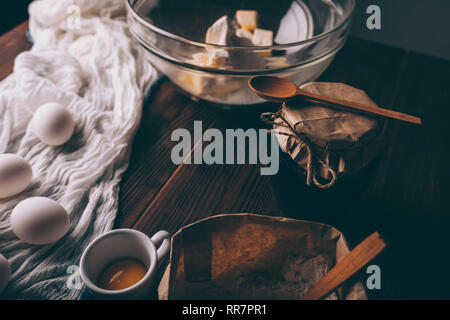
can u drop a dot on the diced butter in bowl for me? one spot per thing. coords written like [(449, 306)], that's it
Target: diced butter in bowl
[(211, 48)]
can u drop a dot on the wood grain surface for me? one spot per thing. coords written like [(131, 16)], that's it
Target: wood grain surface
[(11, 44), (404, 195)]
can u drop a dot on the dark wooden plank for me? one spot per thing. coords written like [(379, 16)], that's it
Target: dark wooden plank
[(418, 156), (408, 200), (369, 66), (11, 44), (150, 163), (198, 191), (185, 200)]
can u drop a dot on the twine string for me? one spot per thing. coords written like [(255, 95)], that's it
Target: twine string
[(312, 159)]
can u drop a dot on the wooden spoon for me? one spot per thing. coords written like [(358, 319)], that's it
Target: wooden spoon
[(279, 90), (356, 259)]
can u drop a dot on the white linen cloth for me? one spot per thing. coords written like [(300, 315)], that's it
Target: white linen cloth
[(98, 72)]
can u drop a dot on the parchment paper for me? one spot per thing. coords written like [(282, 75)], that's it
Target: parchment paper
[(244, 256), (345, 141)]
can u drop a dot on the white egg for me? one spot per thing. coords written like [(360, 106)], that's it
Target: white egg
[(15, 175), (5, 272), (53, 124), (39, 221)]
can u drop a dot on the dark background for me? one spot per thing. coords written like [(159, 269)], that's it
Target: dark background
[(14, 13), (417, 25)]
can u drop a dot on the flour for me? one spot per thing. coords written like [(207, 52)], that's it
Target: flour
[(297, 277)]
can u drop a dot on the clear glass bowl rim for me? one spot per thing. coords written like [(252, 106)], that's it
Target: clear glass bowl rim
[(204, 44)]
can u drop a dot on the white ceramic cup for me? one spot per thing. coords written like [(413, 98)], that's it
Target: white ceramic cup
[(123, 244)]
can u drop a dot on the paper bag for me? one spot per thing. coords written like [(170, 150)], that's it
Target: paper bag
[(247, 256)]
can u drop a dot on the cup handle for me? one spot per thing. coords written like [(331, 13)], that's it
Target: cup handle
[(161, 239)]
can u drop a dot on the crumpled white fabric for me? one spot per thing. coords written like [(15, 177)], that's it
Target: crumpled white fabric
[(99, 73)]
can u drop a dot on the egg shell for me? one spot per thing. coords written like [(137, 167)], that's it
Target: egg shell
[(53, 124), (15, 175), (5, 272), (39, 221)]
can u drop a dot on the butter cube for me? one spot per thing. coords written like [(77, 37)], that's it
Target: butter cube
[(216, 58), (224, 86), (262, 37), (247, 19), (242, 38), (220, 32), (242, 33), (276, 62), (219, 59), (200, 85), (201, 59), (196, 83)]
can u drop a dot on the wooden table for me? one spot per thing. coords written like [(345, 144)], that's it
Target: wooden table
[(407, 199)]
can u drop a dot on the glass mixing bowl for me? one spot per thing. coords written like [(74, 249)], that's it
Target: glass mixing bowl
[(307, 34)]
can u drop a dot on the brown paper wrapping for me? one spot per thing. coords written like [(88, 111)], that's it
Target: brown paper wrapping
[(208, 258), (343, 140)]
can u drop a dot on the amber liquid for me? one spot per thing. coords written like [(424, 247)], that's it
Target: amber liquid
[(122, 274)]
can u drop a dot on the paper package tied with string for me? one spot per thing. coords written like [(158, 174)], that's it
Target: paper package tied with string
[(247, 256), (327, 143)]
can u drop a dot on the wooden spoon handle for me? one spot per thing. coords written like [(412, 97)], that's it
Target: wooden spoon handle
[(360, 107), (362, 254)]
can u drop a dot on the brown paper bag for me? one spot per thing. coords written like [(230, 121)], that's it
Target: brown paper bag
[(247, 256)]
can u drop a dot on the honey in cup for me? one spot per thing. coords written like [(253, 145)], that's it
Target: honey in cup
[(122, 274)]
